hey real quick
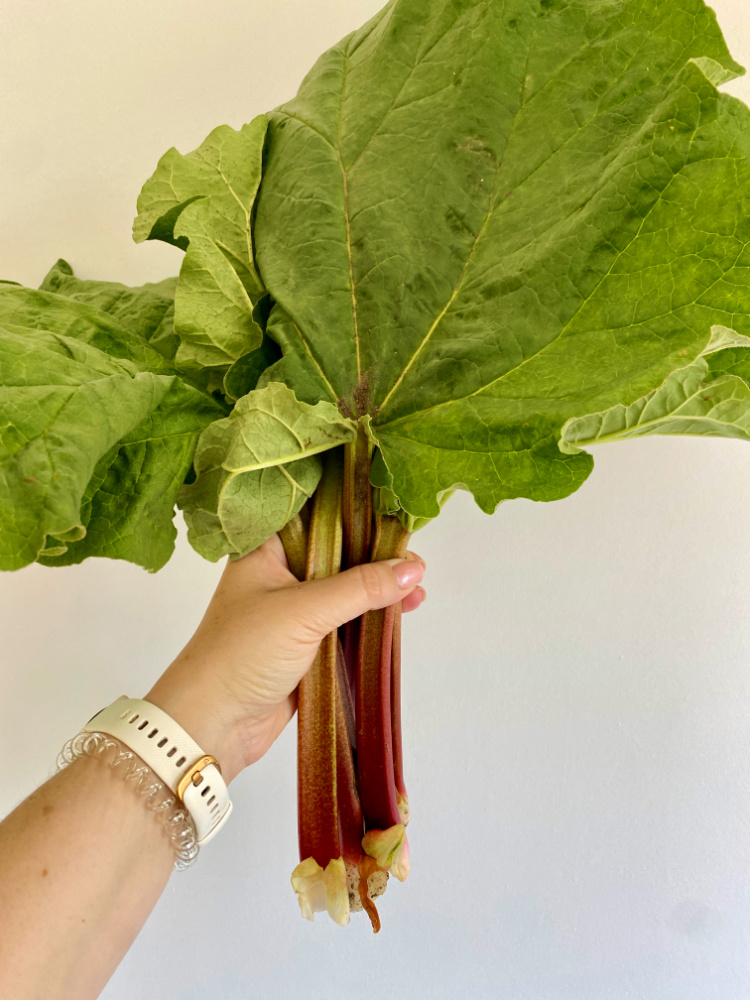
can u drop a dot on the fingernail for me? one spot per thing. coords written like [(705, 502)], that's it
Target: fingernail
[(407, 572)]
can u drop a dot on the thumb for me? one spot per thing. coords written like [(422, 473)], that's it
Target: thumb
[(325, 604)]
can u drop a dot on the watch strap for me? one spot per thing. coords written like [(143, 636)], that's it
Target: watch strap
[(192, 775)]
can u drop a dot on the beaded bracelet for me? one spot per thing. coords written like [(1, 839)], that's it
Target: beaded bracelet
[(158, 798)]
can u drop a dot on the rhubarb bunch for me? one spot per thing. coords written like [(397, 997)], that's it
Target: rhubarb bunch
[(352, 802), (481, 239)]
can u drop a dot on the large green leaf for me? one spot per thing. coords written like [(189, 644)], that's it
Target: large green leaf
[(256, 468), (202, 202), (96, 434), (694, 400), (479, 220), (146, 310), (43, 310)]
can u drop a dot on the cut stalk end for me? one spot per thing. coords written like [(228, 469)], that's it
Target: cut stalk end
[(322, 889)]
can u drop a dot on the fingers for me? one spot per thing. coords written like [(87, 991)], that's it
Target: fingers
[(412, 601), (323, 605), (265, 567)]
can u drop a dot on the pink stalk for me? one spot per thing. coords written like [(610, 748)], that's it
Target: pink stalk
[(378, 728), (398, 746), (357, 513), (317, 770), (352, 797), (317, 766)]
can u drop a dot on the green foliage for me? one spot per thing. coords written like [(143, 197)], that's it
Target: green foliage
[(481, 220), (97, 430), (256, 468), (146, 311), (495, 234), (693, 400), (202, 203)]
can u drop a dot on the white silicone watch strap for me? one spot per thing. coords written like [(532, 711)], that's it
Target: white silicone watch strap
[(168, 750)]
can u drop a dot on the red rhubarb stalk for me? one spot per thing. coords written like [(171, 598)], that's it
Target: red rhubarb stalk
[(393, 538), (352, 798), (357, 514), (324, 790), (319, 836), (398, 746), (375, 717)]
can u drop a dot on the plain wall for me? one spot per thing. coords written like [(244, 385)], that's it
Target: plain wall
[(576, 688)]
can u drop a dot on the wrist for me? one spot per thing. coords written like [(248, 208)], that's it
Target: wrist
[(202, 716)]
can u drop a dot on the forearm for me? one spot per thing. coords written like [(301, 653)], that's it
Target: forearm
[(82, 860), (83, 863)]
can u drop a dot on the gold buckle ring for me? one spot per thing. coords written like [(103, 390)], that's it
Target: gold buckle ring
[(193, 774)]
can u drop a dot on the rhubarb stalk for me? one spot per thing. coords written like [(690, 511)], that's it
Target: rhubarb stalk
[(357, 515), (379, 753), (352, 799), (294, 539), (320, 879)]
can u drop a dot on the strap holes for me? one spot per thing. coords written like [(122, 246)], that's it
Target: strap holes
[(125, 714), (162, 741), (180, 762), (212, 799), (172, 752), (143, 724), (136, 716), (205, 791), (152, 733)]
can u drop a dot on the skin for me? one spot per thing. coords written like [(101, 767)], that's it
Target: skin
[(83, 861)]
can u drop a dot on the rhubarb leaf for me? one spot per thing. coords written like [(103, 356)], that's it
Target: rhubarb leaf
[(246, 371), (256, 468), (730, 362), (44, 310), (480, 220), (709, 397), (688, 402), (146, 310), (202, 202), (97, 432)]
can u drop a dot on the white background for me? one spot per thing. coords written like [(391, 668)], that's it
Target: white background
[(577, 693)]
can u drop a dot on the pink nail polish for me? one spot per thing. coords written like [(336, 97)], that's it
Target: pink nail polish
[(408, 573)]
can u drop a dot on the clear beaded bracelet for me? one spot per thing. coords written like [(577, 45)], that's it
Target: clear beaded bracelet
[(158, 798)]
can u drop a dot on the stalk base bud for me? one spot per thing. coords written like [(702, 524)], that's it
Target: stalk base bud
[(390, 849)]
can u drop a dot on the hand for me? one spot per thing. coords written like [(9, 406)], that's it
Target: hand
[(233, 687)]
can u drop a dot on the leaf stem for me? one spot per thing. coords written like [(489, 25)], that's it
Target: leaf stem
[(375, 696), (294, 539), (398, 746), (357, 514), (317, 758)]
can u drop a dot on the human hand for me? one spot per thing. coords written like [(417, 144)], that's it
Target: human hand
[(233, 686)]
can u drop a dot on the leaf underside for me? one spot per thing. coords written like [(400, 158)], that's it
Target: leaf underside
[(479, 221), (203, 202), (710, 397), (257, 468)]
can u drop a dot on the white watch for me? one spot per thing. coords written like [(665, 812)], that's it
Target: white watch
[(193, 776)]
